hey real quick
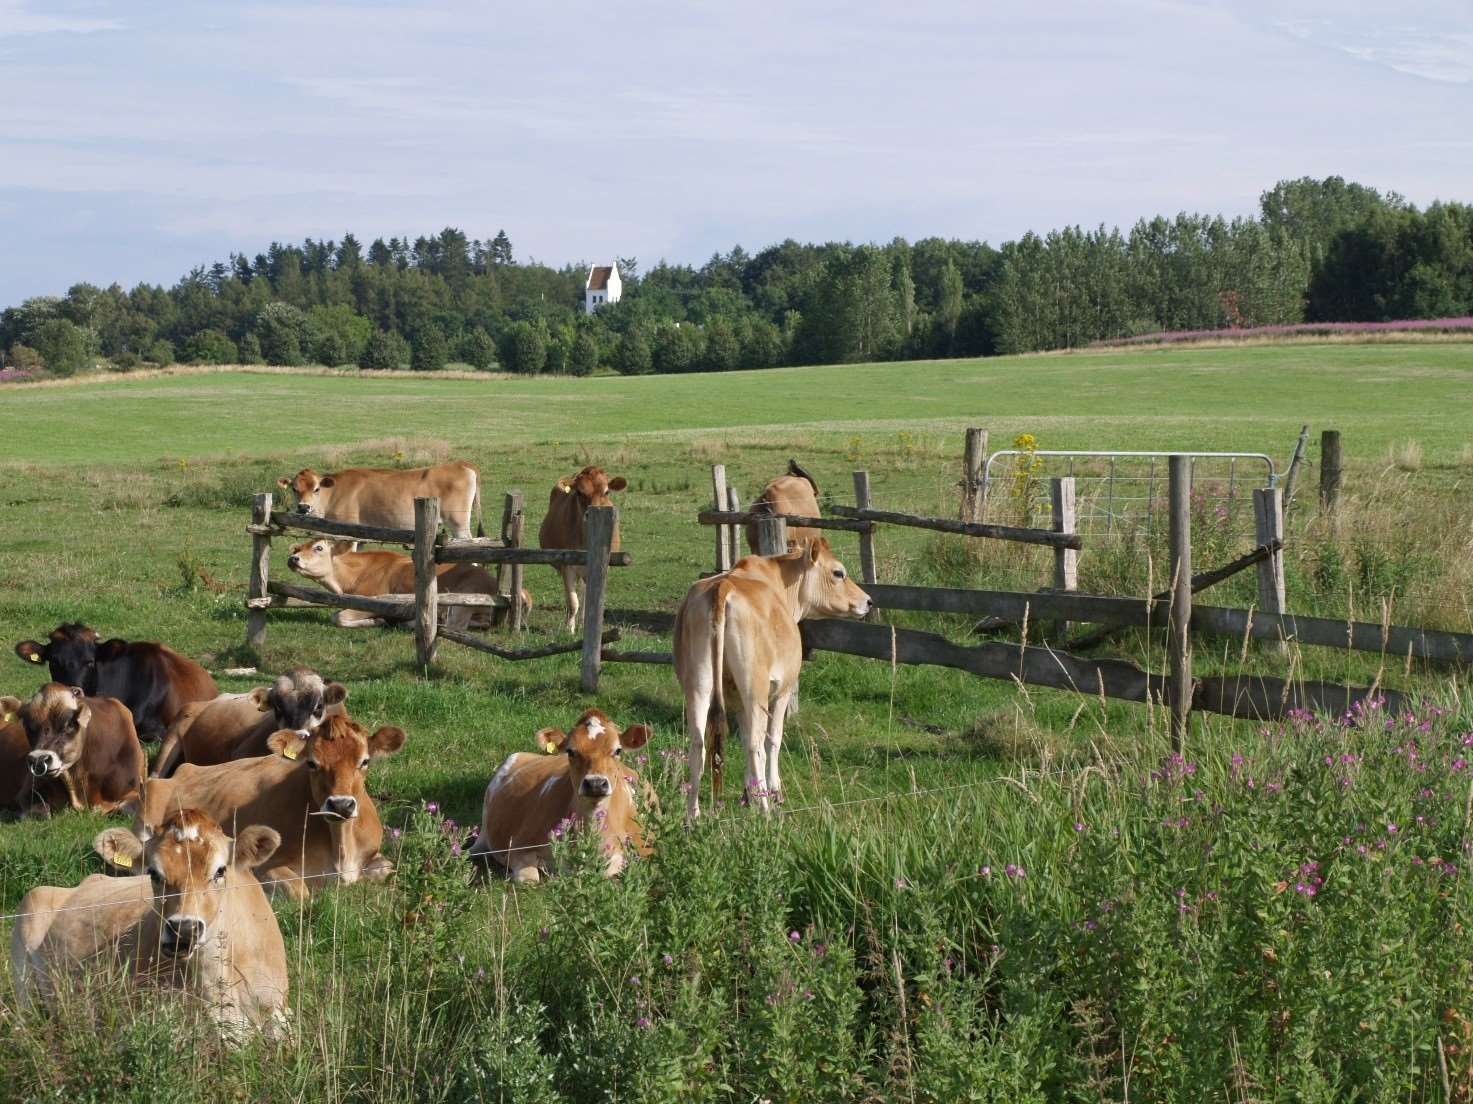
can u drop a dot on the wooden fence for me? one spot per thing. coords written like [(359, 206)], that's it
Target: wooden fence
[(431, 548)]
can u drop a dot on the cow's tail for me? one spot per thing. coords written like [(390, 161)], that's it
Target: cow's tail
[(476, 504), (716, 718)]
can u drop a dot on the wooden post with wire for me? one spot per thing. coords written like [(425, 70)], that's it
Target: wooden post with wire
[(426, 580), (260, 570), (866, 536), (1179, 637), (772, 536), (1066, 560), (1330, 470), (974, 455), (718, 497), (1268, 519), (734, 532), (598, 536)]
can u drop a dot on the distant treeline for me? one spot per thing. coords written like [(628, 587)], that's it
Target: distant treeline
[(1319, 250)]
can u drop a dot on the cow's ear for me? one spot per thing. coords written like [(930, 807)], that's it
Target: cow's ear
[(31, 651), (118, 847), (286, 743), (9, 707), (550, 740), (326, 481), (385, 741), (261, 699), (618, 483), (285, 482), (255, 845), (334, 693), (110, 650), (635, 736)]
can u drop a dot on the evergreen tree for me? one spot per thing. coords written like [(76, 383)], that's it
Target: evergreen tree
[(282, 331), (583, 357), (632, 356), (478, 350), (385, 350), (500, 249), (428, 350)]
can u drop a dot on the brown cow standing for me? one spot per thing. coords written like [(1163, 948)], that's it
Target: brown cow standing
[(739, 631), (153, 681), (580, 781), (382, 572), (385, 496), (236, 726), (793, 493), (310, 790), (192, 917), (84, 752), (563, 526)]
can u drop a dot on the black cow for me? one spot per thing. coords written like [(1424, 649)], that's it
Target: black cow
[(153, 681)]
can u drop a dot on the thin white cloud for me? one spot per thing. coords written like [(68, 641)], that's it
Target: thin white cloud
[(1420, 50), (17, 18)]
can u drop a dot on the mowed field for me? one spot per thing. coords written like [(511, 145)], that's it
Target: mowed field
[(125, 505)]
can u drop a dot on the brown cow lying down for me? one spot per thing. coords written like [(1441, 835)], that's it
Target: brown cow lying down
[(191, 916), (15, 774), (385, 496), (382, 572), (310, 790), (153, 681), (793, 493), (83, 752), (739, 631), (562, 527), (236, 726), (580, 781)]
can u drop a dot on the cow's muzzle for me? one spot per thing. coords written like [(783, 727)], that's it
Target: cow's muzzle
[(341, 807), (182, 934), (596, 785), (294, 562), (304, 508), (44, 764)]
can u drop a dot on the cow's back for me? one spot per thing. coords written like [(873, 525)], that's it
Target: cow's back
[(155, 683), (114, 760), (375, 572), (266, 790), (787, 494), (385, 496), (14, 747), (759, 631), (62, 929), (525, 799)]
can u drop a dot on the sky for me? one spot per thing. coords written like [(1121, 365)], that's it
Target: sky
[(140, 140)]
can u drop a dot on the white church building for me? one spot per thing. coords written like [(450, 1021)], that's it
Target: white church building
[(603, 286)]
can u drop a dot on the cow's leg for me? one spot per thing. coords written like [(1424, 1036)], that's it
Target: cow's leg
[(775, 720), (356, 619), (378, 869), (284, 880), (570, 594), (697, 707), (754, 738), (524, 868)]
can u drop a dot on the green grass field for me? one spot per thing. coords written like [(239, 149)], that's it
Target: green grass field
[(126, 504)]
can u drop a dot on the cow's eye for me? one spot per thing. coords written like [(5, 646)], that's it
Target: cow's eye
[(311, 764), (155, 877), (838, 573), (572, 754), (363, 765), (618, 751), (220, 875)]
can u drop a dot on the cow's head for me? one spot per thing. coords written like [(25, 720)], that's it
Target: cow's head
[(300, 700), (592, 486), (824, 587), (313, 559), (593, 749), (307, 487), (72, 653), (55, 721), (336, 754), (188, 860)]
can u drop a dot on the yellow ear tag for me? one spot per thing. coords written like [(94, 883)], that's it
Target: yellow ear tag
[(566, 488), (290, 751), (549, 747), (34, 658), (6, 718), (125, 861)]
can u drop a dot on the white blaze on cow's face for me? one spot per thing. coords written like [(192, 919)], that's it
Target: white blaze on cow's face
[(299, 700), (307, 487), (312, 559), (593, 749), (826, 589), (187, 861), (592, 486), (55, 721)]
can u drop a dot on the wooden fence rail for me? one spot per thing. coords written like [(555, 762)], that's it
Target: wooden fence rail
[(1014, 533)]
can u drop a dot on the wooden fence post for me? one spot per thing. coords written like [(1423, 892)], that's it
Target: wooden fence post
[(772, 536), (1294, 462), (1178, 637), (260, 571), (426, 581), (1066, 560), (734, 532), (514, 540), (867, 537), (974, 454), (598, 537), (506, 580), (1330, 469), (1268, 519), (718, 497)]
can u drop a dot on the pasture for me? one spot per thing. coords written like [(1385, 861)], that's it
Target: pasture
[(975, 892)]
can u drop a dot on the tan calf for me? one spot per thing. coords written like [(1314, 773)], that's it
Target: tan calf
[(83, 752), (191, 916), (310, 790), (385, 496), (236, 726), (382, 572), (563, 526), (793, 493), (738, 631), (580, 782)]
